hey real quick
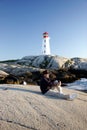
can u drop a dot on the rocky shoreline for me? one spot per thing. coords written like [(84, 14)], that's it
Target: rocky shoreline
[(30, 69)]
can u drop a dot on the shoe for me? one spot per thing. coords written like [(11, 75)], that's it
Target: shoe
[(72, 96)]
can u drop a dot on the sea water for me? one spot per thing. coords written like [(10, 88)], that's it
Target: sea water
[(78, 84)]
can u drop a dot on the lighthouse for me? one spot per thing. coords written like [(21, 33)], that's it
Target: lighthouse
[(46, 44)]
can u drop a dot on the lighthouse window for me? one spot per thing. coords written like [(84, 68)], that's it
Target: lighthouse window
[(45, 46), (44, 40), (44, 51)]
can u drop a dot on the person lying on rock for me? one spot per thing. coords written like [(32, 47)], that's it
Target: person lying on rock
[(46, 84)]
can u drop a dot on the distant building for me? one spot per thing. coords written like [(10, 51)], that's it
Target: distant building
[(46, 44)]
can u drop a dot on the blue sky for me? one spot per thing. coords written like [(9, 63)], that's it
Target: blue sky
[(22, 23)]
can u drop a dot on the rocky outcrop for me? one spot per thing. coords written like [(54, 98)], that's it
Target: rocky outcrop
[(24, 108), (43, 61), (76, 63), (3, 75), (29, 68)]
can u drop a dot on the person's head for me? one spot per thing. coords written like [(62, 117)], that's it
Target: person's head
[(46, 74)]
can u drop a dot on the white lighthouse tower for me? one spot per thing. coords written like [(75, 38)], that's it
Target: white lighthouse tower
[(46, 44)]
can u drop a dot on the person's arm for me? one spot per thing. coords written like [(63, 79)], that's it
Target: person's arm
[(48, 83)]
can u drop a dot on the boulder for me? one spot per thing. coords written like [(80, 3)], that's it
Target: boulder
[(43, 61)]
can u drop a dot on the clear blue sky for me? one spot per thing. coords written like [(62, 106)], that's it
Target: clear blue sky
[(22, 23)]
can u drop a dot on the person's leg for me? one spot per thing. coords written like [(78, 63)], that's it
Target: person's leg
[(61, 94), (58, 86), (68, 96)]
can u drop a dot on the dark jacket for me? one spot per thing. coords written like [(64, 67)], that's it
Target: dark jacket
[(45, 85)]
